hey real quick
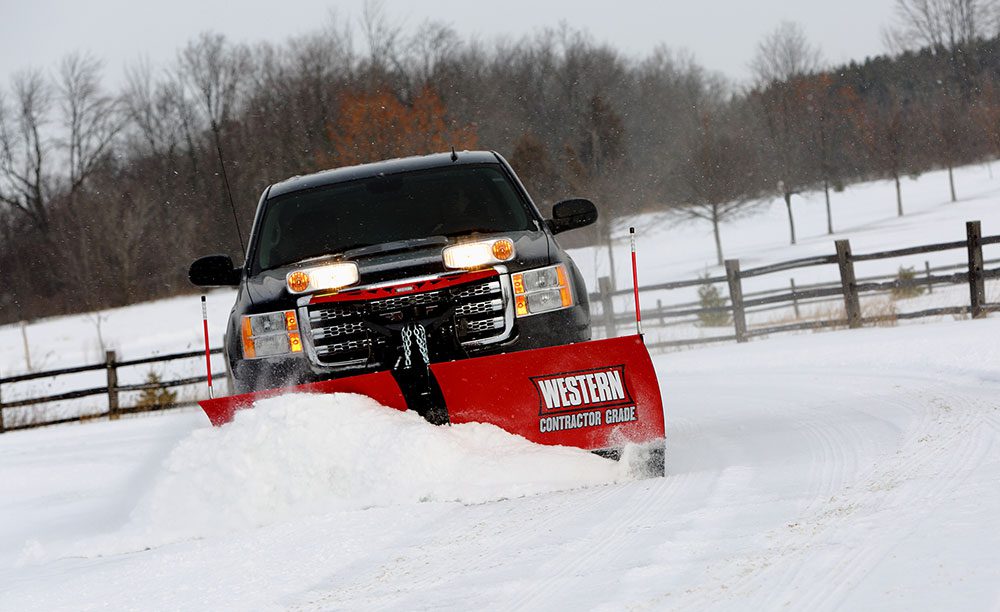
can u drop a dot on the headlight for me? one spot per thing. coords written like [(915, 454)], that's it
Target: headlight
[(472, 255), (322, 278), (541, 290), (270, 334)]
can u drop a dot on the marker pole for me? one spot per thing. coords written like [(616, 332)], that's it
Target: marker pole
[(208, 351), (635, 283)]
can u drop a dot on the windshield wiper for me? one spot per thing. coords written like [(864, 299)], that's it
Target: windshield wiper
[(399, 245)]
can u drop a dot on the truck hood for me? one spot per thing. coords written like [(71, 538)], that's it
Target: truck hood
[(533, 249)]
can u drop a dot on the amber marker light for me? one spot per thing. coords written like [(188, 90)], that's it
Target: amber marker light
[(518, 280), (248, 348), (298, 281), (503, 249), (521, 304), (564, 294), (295, 342), (291, 322)]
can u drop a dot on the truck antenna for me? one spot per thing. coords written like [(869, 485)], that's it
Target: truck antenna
[(229, 192), (454, 156)]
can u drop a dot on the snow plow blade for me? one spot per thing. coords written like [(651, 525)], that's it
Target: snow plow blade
[(599, 396)]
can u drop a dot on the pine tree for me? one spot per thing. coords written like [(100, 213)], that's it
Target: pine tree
[(156, 398)]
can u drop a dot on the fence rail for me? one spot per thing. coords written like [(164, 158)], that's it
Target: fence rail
[(112, 389), (848, 290)]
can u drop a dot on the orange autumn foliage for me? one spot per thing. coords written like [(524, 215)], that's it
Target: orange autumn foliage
[(375, 126)]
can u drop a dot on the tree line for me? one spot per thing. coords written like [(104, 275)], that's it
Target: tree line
[(107, 196)]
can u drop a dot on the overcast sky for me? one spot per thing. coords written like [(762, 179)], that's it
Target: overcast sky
[(722, 35)]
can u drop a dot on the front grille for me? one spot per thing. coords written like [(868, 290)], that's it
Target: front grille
[(353, 332)]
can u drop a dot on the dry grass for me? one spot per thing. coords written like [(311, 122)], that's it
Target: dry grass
[(882, 310), (821, 312)]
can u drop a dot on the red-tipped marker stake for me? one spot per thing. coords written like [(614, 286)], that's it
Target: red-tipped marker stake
[(208, 351), (635, 283)]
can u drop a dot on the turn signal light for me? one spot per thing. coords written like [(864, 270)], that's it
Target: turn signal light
[(298, 281), (503, 249)]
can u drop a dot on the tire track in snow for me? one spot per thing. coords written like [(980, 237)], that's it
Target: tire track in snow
[(955, 457), (876, 490)]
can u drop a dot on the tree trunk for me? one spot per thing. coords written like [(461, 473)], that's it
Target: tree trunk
[(611, 260), (829, 215), (791, 219), (951, 183), (899, 196), (718, 239)]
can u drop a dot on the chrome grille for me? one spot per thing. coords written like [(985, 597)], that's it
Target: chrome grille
[(338, 329), (405, 301), (474, 308), (478, 290), (484, 325), (339, 336)]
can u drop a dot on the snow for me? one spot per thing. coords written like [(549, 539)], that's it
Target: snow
[(852, 469), (855, 469)]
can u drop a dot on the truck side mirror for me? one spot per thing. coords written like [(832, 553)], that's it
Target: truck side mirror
[(571, 214), (214, 271)]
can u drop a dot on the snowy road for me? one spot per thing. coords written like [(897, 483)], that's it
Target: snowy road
[(847, 470)]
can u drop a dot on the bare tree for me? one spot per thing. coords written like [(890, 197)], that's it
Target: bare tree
[(214, 72), (942, 24), (384, 39), (90, 119), (23, 150), (783, 59), (719, 176), (784, 54), (887, 135)]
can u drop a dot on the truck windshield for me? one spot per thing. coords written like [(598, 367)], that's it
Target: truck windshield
[(440, 202)]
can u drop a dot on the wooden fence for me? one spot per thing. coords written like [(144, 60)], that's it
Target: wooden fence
[(111, 390), (848, 290)]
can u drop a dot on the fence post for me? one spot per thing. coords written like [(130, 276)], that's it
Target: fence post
[(795, 299), (930, 285), (110, 358), (849, 284), (608, 306), (977, 291), (736, 298)]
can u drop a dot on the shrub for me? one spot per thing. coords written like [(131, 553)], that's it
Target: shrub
[(709, 297), (906, 286), (156, 398)]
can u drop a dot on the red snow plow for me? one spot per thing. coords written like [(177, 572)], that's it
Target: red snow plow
[(600, 395)]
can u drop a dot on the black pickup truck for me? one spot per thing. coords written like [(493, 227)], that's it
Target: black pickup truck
[(394, 265)]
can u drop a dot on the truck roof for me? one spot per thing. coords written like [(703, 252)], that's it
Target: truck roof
[(390, 166)]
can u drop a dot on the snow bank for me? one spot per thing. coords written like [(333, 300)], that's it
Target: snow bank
[(316, 453)]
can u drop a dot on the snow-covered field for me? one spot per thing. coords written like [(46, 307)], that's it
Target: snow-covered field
[(849, 470)]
